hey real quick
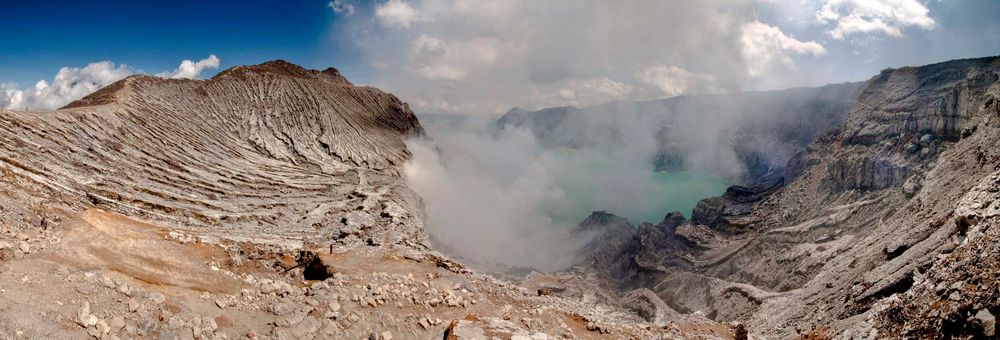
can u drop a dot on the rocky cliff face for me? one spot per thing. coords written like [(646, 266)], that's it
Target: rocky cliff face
[(268, 148), (869, 236)]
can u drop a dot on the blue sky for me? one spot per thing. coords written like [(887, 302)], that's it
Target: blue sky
[(485, 57), (155, 35)]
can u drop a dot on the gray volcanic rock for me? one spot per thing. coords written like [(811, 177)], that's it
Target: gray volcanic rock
[(671, 221), (270, 147), (708, 211), (622, 252), (616, 236), (603, 221), (873, 224), (726, 210), (956, 295), (650, 307)]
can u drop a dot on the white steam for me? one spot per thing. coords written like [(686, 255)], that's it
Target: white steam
[(512, 192), (502, 197), (486, 199)]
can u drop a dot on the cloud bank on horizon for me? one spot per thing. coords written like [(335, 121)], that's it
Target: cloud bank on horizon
[(72, 83), (485, 57)]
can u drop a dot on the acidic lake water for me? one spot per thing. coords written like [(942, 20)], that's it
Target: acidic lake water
[(636, 192)]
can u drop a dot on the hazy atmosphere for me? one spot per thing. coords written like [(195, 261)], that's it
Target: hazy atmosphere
[(508, 169), (482, 59), (474, 57), (499, 195), (486, 57)]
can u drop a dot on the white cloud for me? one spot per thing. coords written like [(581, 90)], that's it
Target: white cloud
[(190, 70), (396, 13), (439, 60), (7, 92), (870, 16), (437, 104), (764, 46), (582, 92), (491, 56), (673, 81), (72, 83), (341, 7)]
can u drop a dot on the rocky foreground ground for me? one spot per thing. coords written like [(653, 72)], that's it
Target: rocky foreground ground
[(265, 202)]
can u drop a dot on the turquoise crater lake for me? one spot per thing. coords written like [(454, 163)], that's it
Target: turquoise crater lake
[(637, 193)]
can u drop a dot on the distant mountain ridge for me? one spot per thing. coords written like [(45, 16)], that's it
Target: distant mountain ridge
[(764, 129)]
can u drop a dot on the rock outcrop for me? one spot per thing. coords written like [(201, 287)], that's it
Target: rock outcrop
[(873, 231), (270, 148), (956, 295)]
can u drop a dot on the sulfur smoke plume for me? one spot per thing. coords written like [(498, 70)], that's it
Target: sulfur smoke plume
[(512, 191)]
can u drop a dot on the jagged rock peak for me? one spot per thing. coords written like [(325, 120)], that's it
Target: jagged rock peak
[(283, 68), (117, 91), (601, 220), (282, 110)]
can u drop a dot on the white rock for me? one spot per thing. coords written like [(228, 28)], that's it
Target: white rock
[(94, 332), (24, 246), (209, 324), (124, 289), (108, 282), (117, 323), (157, 297), (103, 327), (92, 320), (133, 305), (306, 327), (988, 321), (282, 308), (83, 315)]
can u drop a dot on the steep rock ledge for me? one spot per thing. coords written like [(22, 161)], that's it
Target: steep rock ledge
[(862, 213)]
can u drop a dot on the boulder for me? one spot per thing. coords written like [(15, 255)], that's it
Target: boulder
[(708, 211), (650, 307), (6, 251), (987, 321), (671, 221)]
